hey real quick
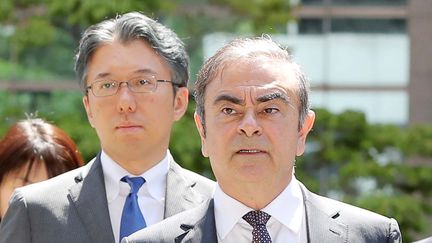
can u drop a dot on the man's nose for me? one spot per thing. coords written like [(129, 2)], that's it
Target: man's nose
[(126, 99), (249, 125)]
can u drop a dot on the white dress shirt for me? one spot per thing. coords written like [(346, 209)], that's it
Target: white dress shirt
[(287, 222), (151, 196)]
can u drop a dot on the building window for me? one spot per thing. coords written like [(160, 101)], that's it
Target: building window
[(344, 25), (368, 25)]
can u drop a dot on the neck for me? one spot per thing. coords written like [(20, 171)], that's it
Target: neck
[(136, 164), (255, 195)]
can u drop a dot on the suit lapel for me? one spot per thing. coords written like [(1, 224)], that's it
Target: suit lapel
[(89, 198), (321, 225), (205, 228), (179, 195)]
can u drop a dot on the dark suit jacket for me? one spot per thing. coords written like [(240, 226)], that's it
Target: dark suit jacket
[(73, 207), (327, 220)]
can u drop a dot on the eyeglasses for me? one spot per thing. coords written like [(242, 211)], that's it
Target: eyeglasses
[(109, 87)]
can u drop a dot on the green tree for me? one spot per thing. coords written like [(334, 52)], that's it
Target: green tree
[(48, 26), (44, 27), (370, 166), (270, 16)]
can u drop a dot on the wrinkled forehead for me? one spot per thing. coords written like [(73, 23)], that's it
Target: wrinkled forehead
[(254, 90), (255, 77)]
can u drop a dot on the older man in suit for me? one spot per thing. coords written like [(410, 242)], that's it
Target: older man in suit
[(133, 72), (253, 117)]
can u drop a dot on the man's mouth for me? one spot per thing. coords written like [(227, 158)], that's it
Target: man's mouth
[(250, 151), (127, 126)]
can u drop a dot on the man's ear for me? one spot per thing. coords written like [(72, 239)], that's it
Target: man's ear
[(181, 100), (304, 131), (201, 131), (86, 104)]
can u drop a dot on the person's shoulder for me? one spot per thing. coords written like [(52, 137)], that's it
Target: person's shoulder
[(195, 177), (197, 181), (362, 223), (50, 188), (164, 231), (346, 211), (175, 226)]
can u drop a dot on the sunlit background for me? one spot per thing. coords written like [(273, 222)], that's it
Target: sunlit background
[(369, 62)]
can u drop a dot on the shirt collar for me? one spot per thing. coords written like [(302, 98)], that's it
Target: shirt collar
[(287, 208), (155, 177), (228, 212)]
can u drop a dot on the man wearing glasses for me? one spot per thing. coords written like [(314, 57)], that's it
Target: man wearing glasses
[(133, 72)]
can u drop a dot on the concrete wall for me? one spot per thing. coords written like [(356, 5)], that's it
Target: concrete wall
[(420, 88)]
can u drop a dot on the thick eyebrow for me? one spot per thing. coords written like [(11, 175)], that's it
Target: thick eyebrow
[(229, 98), (264, 98), (272, 96)]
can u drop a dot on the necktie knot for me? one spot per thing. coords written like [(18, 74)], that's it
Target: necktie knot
[(256, 218), (135, 183)]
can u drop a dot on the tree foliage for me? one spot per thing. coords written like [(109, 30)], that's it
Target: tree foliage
[(49, 25), (369, 165), (268, 16)]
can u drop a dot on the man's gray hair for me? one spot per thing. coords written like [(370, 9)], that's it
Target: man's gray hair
[(259, 48), (129, 27)]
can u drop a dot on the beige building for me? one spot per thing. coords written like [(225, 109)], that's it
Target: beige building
[(390, 20)]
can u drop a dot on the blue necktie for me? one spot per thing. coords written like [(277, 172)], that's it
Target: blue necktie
[(132, 219)]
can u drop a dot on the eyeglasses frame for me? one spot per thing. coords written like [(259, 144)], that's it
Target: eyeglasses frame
[(120, 83)]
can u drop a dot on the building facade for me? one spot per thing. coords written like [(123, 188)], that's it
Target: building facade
[(365, 55)]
